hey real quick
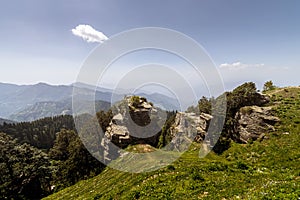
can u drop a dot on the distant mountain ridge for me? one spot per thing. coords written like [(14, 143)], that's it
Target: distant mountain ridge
[(31, 102), (2, 121), (52, 108)]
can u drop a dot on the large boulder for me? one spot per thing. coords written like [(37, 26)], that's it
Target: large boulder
[(139, 110), (128, 125), (253, 122)]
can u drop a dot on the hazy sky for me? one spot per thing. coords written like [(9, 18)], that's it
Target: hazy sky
[(252, 40)]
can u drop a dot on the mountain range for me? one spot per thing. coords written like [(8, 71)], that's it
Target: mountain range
[(31, 102)]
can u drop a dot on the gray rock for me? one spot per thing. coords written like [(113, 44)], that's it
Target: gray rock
[(128, 126), (188, 127), (254, 123)]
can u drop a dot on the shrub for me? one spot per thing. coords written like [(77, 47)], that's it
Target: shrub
[(246, 110), (170, 167), (241, 165), (197, 177), (135, 100), (268, 86)]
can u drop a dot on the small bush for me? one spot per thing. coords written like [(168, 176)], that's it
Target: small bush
[(135, 194), (170, 167), (246, 110), (135, 100), (197, 177), (98, 196), (241, 165)]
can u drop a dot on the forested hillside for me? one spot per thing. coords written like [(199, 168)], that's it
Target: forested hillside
[(43, 156), (40, 133)]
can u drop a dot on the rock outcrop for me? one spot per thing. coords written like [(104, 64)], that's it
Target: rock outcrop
[(253, 123), (128, 126), (188, 127), (139, 122)]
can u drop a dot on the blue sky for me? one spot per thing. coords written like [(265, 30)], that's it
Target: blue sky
[(248, 40)]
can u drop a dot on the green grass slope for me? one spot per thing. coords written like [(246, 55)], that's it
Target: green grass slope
[(261, 170)]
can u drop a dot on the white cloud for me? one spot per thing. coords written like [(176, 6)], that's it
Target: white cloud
[(88, 33), (239, 65)]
